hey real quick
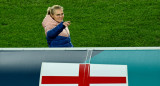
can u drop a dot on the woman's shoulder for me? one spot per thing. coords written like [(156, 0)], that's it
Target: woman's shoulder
[(48, 21)]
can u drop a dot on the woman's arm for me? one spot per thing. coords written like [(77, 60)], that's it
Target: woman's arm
[(55, 31)]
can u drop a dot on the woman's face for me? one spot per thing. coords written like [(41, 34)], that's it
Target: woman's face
[(58, 15)]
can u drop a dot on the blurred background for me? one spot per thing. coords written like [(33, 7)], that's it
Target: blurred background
[(94, 23)]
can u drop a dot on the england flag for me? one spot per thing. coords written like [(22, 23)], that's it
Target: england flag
[(70, 74)]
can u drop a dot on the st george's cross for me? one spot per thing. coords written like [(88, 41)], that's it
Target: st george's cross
[(68, 74)]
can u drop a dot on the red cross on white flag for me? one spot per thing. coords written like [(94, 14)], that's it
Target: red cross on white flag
[(68, 74)]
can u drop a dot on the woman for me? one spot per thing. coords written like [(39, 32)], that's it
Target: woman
[(57, 32)]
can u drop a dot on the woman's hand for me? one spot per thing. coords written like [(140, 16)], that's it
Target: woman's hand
[(67, 23)]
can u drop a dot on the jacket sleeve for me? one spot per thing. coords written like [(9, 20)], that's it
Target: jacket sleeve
[(55, 31)]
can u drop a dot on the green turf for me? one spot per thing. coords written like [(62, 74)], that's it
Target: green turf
[(94, 23)]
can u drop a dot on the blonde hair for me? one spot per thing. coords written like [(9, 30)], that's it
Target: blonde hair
[(51, 10)]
